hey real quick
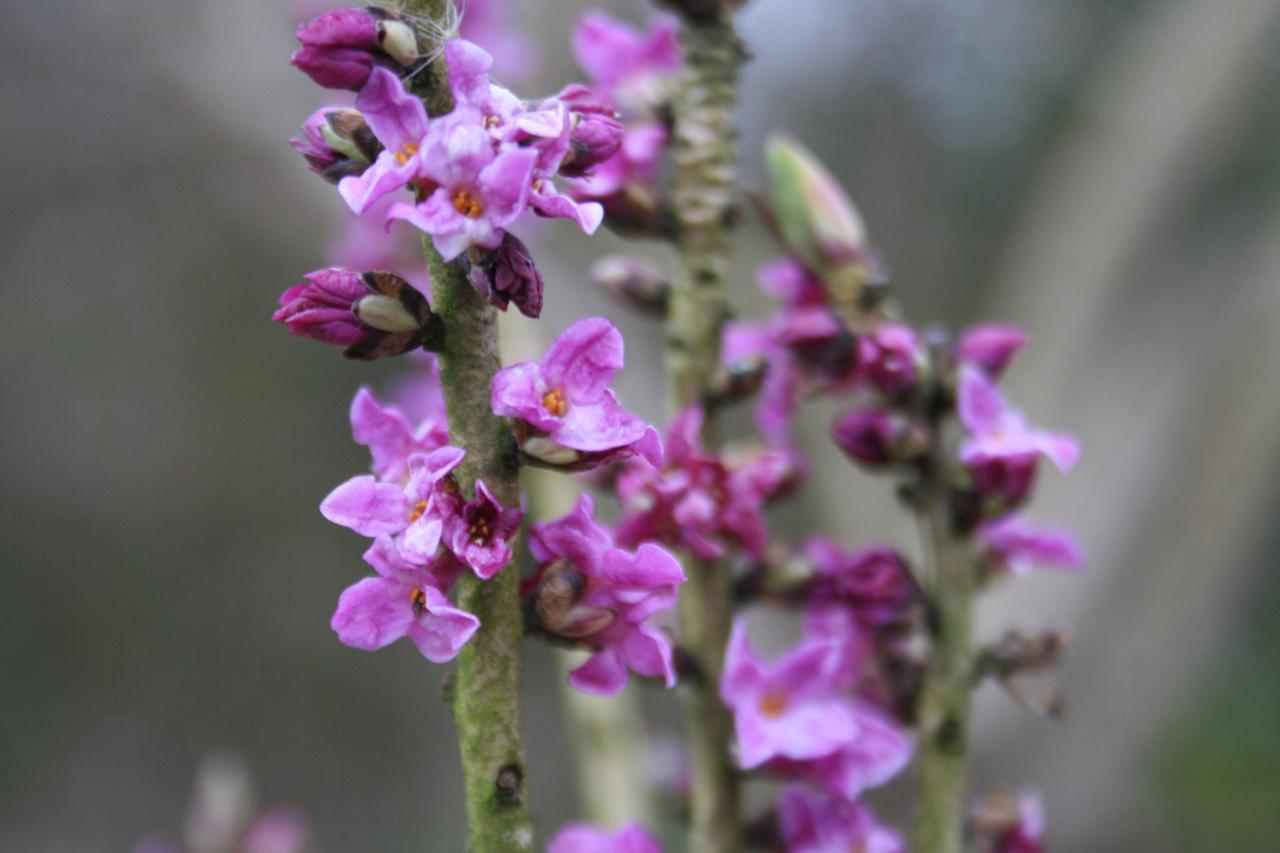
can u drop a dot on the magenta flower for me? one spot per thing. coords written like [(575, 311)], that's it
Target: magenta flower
[(700, 501), (495, 108), (567, 415), (874, 582), (489, 23), (479, 531), (410, 511), (580, 838), (399, 121), (813, 822), (391, 439), (878, 752), (342, 47), (1002, 449), (990, 347), (590, 593), (792, 709), (890, 358), (1014, 545), (595, 131), (626, 65), (406, 599), (479, 192), (372, 314)]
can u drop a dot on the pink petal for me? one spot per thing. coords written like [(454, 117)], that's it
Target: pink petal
[(442, 630), (583, 360), (603, 674), (599, 426), (367, 506), (372, 613), (396, 117)]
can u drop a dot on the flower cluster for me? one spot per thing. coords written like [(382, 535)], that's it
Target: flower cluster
[(588, 593), (474, 171), (632, 72), (580, 838), (425, 533), (707, 503)]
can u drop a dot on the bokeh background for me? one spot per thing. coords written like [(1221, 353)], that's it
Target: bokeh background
[(1104, 172)]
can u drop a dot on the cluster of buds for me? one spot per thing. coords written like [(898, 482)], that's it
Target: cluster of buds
[(372, 314)]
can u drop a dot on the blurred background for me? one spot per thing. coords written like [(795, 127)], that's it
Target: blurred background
[(1105, 173)]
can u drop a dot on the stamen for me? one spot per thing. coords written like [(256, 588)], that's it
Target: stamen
[(419, 599), (406, 151), (467, 204), (419, 509), (773, 703), (555, 403)]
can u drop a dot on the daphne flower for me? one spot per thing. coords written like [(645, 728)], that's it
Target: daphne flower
[(627, 66), (399, 121), (878, 752), (479, 531), (890, 358), (372, 314), (873, 581), (566, 403), (791, 709), (391, 439), (410, 511), (479, 192), (1015, 545), (405, 600), (590, 593), (506, 275), (1027, 834), (340, 48), (580, 838), (812, 822), (337, 143)]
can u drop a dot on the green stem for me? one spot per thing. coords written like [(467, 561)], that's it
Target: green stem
[(705, 202), (948, 683), (486, 683)]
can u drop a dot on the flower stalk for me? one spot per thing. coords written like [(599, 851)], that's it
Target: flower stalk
[(486, 684), (705, 201), (945, 697)]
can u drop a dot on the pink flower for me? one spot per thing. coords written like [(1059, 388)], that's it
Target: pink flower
[(1015, 545), (337, 143), (406, 599), (391, 439), (792, 709), (626, 65), (590, 593), (479, 192), (1027, 835), (595, 135), (399, 121), (411, 510), (508, 275), (878, 752), (567, 415), (990, 347), (701, 501), (1001, 449), (812, 822), (872, 437), (580, 838), (479, 531)]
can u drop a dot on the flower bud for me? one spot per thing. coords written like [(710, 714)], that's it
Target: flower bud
[(636, 282), (337, 143), (1004, 482), (890, 358), (991, 347), (817, 221), (737, 380), (505, 275), (374, 314), (872, 437), (340, 48), (595, 135)]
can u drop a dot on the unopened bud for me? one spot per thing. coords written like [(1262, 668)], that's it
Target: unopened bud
[(399, 41), (876, 438), (595, 134), (637, 282), (373, 315), (336, 143), (386, 314), (506, 274)]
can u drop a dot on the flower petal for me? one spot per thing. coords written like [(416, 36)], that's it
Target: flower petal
[(372, 613), (367, 506)]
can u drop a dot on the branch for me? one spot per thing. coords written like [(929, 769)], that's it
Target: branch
[(705, 198)]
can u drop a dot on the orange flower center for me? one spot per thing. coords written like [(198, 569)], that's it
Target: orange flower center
[(490, 122), (419, 599), (467, 204), (417, 512), (406, 151), (554, 402), (773, 703)]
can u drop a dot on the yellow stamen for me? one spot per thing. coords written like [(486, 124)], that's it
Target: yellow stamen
[(467, 204), (773, 703), (418, 510), (419, 599), (406, 151), (554, 402)]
